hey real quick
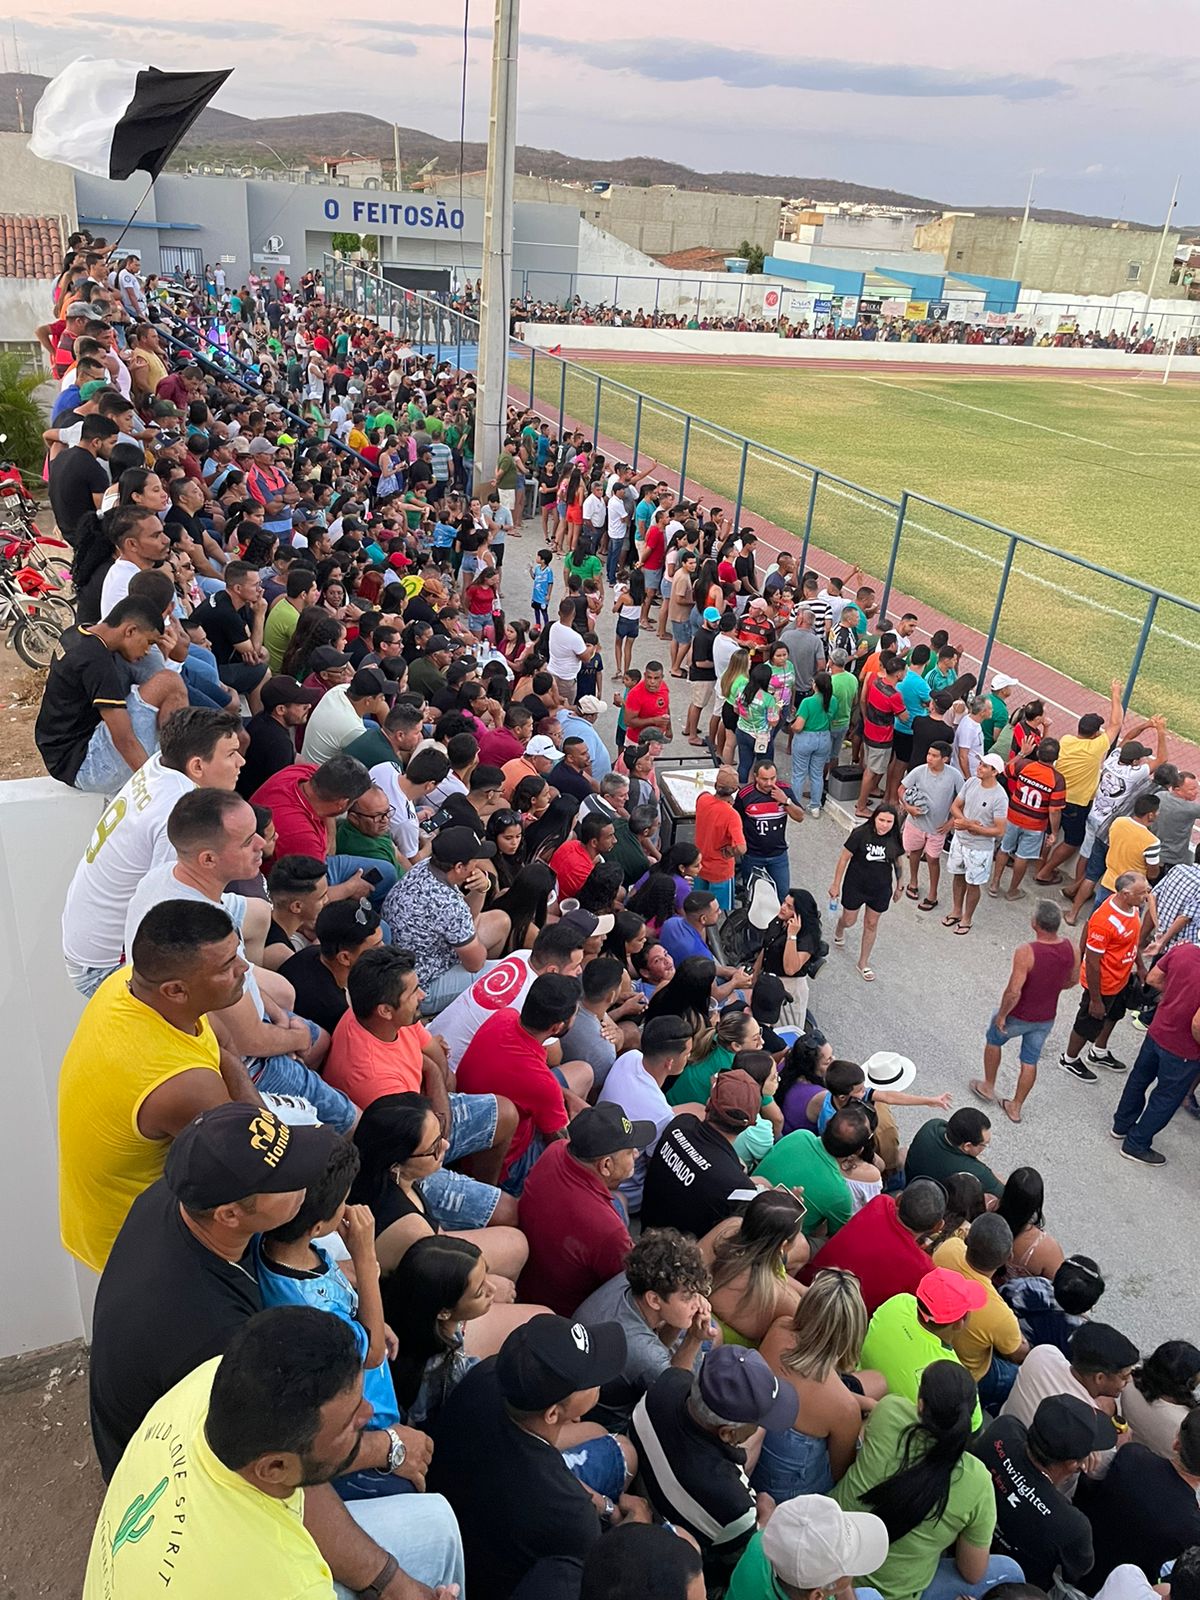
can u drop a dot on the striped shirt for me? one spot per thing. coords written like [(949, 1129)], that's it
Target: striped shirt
[(441, 459), (1178, 895), (1034, 790), (881, 706)]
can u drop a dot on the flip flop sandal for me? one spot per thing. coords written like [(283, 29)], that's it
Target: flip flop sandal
[(928, 905), (839, 944), (978, 1089), (1048, 883), (1006, 1107), (963, 927), (950, 922), (1015, 894), (993, 894), (866, 974), (913, 894)]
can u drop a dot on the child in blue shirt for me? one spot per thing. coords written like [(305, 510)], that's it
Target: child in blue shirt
[(294, 1270), (543, 581)]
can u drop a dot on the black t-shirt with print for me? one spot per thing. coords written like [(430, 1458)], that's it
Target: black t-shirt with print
[(1035, 1524), (84, 681), (225, 624), (872, 861), (690, 1175)]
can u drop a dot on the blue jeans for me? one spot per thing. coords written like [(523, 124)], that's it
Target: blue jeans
[(793, 1463), (778, 867), (104, 770), (454, 1199), (949, 1583), (995, 1384), (747, 755), (1033, 1036), (289, 1076), (340, 868), (613, 561), (1172, 1077), (600, 1464), (420, 1530), (810, 752)]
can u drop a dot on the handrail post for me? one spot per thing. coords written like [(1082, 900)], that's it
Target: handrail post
[(532, 361), (637, 432), (895, 551), (994, 627), (808, 522), (562, 395), (596, 418), (1143, 640), (687, 433), (741, 488)]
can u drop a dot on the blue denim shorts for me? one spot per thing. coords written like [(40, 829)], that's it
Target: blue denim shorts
[(1033, 1036), (600, 1464), (454, 1199), (104, 770), (288, 1075), (1024, 843)]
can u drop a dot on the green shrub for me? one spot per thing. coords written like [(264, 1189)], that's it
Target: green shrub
[(20, 415)]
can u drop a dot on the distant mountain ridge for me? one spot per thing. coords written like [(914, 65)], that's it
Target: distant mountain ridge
[(226, 136)]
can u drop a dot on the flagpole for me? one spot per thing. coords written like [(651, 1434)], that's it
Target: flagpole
[(132, 216)]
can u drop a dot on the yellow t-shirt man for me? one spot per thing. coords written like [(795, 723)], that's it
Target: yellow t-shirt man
[(992, 1330), (177, 1521), (121, 1051), (1131, 848), (1079, 761)]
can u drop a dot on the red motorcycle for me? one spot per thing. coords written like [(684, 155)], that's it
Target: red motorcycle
[(45, 562)]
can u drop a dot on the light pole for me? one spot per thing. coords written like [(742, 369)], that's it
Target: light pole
[(1162, 245), (497, 242), (1033, 176)]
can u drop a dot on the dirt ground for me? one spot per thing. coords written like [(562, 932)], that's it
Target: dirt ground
[(50, 1485), (20, 695)]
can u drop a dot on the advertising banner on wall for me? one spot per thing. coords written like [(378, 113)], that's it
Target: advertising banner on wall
[(895, 307), (868, 307), (937, 311), (798, 305), (915, 310), (771, 302)]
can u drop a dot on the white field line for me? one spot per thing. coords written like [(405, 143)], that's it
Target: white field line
[(935, 533), (1108, 388), (1023, 422)]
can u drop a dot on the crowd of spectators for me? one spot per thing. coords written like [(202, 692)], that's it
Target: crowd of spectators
[(469, 1207)]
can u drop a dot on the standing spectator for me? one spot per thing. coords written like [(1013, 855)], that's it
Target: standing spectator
[(870, 862), (881, 705), (702, 672), (977, 821), (1110, 958), (929, 792), (1036, 796), (812, 743), (1041, 970), (968, 736), (720, 837), (1080, 757), (1178, 812), (764, 806), (1169, 1058)]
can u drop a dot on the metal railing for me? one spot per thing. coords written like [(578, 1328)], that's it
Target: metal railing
[(1085, 621)]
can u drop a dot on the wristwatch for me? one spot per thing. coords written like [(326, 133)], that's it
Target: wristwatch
[(397, 1452), (382, 1578)]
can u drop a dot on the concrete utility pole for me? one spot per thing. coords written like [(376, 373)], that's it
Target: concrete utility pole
[(396, 156), (497, 244), (1162, 245), (1024, 223)]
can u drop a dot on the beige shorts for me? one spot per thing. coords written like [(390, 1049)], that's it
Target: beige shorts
[(702, 693), (877, 758)]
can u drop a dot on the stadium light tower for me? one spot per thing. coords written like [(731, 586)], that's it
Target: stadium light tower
[(497, 242), (1033, 177)]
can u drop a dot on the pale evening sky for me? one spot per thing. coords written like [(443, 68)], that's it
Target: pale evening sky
[(957, 105)]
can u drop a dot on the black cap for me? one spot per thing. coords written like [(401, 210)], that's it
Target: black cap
[(604, 1129), (326, 659), (767, 999), (368, 681), (438, 641), (1065, 1428), (284, 691), (548, 1358), (452, 846), (236, 1150)]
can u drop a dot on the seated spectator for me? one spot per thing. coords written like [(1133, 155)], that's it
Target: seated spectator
[(436, 912), (694, 1170), (593, 1036), (1035, 1253), (751, 1257), (558, 948), (319, 971), (394, 741), (572, 774), (364, 832), (810, 1162), (661, 1302), (810, 1547), (298, 888), (573, 861), (636, 1082), (233, 618), (216, 840), (407, 794), (537, 759), (340, 718), (305, 802), (816, 1350), (714, 1048), (640, 1559), (507, 1056), (1098, 1365), (1161, 1393), (917, 1475), (1145, 1510), (300, 592), (944, 1146), (1050, 1311), (403, 1148), (886, 1244), (199, 749), (93, 730), (1035, 1522), (578, 1239), (293, 1269), (285, 707), (264, 1429), (517, 1502), (689, 1432), (990, 1344), (142, 1063), (910, 1331), (685, 935)]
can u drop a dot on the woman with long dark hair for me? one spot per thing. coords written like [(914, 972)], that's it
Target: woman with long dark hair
[(626, 940), (687, 995), (505, 831), (870, 860), (757, 720), (802, 1078), (812, 744), (543, 837), (1035, 1253), (315, 627), (965, 1200), (715, 1045), (915, 1471), (791, 942), (525, 902), (1160, 1395)]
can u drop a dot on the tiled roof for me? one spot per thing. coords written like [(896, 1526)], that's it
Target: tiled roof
[(701, 258), (30, 247)]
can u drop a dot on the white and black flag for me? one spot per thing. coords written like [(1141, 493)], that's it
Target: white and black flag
[(114, 118)]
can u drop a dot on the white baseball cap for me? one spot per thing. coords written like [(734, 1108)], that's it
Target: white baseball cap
[(1001, 680), (992, 760), (591, 707), (811, 1542), (542, 745), (887, 1070)]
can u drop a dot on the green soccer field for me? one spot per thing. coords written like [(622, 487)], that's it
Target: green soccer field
[(1104, 468)]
